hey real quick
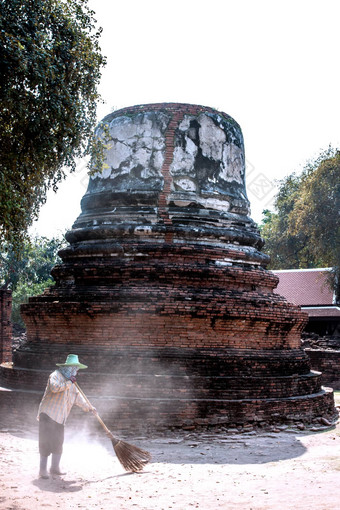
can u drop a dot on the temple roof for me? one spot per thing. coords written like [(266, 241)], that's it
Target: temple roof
[(306, 287)]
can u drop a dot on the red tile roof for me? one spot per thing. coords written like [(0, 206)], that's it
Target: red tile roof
[(305, 287)]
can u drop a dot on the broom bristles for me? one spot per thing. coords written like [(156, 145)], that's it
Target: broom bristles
[(131, 457)]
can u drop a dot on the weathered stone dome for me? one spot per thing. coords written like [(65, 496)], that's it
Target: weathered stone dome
[(169, 169), (163, 290)]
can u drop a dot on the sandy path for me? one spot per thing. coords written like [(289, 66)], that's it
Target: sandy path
[(284, 470)]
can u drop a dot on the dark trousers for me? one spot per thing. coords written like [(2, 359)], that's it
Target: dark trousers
[(51, 436)]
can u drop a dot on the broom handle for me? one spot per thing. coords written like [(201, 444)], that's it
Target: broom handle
[(109, 433)]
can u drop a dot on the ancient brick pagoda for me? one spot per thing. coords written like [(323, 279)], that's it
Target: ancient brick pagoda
[(163, 290)]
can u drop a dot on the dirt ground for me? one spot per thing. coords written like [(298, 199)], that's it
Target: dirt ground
[(288, 469)]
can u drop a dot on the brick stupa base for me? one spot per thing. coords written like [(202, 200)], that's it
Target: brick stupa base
[(163, 290)]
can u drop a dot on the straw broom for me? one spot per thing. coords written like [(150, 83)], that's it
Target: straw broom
[(131, 457)]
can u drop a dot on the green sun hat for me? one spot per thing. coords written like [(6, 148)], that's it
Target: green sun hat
[(72, 361)]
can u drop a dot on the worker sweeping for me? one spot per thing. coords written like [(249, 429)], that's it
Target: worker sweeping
[(60, 395)]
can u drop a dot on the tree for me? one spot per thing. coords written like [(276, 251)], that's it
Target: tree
[(50, 66), (305, 229), (317, 214), (285, 250), (30, 274)]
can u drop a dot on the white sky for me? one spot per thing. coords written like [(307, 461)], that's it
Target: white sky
[(272, 65)]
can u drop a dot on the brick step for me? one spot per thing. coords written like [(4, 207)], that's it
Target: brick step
[(177, 361), (19, 409), (157, 386)]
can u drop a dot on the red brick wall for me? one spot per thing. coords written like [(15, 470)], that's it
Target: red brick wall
[(175, 301), (5, 326), (137, 326), (327, 362)]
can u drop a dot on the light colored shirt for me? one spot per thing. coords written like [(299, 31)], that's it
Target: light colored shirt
[(59, 397)]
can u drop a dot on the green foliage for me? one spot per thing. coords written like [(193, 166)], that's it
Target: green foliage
[(29, 274), (286, 250), (34, 265), (317, 211), (50, 66), (20, 295), (304, 231)]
